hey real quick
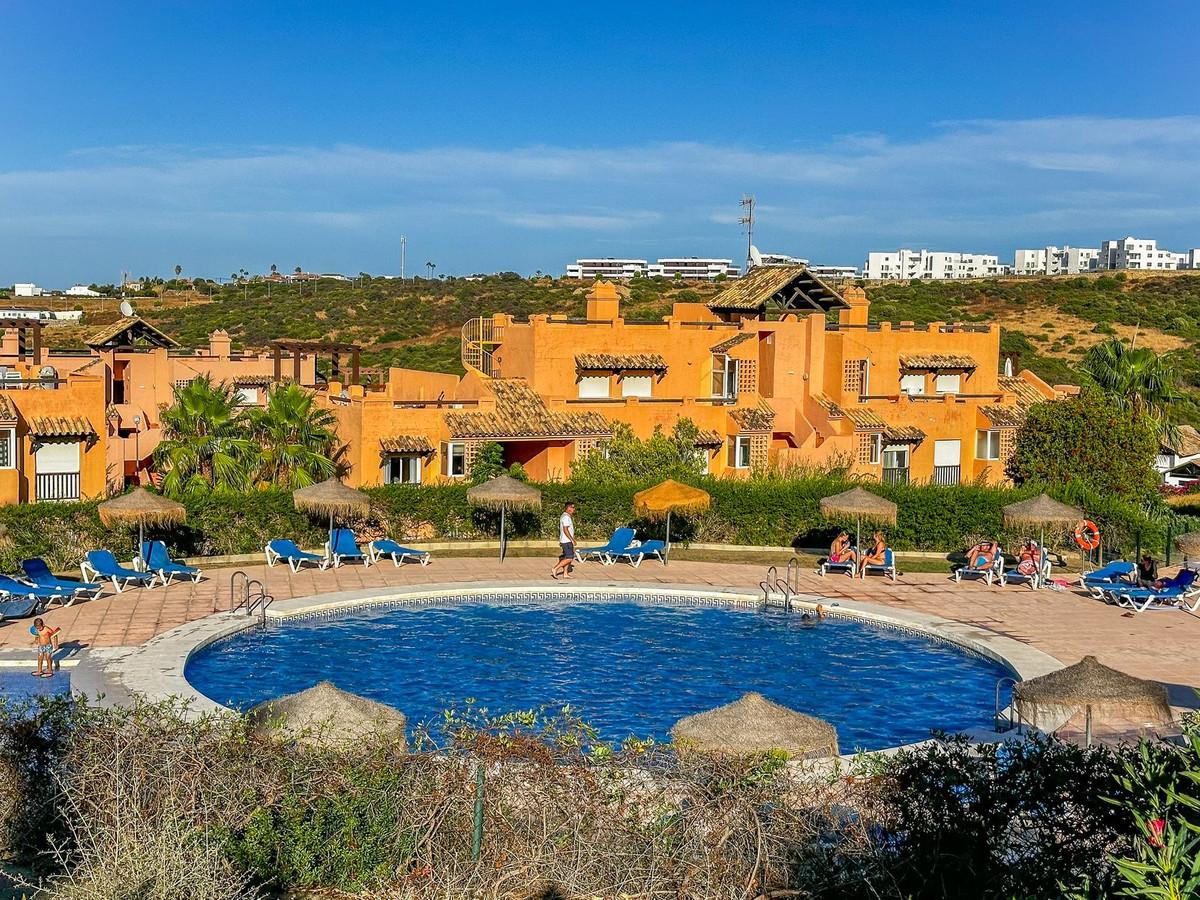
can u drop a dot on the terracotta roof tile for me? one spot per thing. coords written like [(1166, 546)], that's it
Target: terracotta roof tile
[(705, 438), (406, 443), (253, 380), (863, 418), (8, 412), (1003, 416), (727, 345), (792, 287), (1187, 443), (134, 324), (621, 362), (521, 413), (60, 426), (1012, 415), (939, 361), (904, 434), (753, 418)]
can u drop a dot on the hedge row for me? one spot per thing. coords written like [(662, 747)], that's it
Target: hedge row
[(766, 511)]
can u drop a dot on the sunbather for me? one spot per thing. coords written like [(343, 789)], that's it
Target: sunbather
[(877, 555), (982, 556), (1029, 560), (1147, 572), (840, 550)]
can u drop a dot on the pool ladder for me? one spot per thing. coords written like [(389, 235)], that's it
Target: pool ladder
[(779, 591), (253, 596), (1005, 719)]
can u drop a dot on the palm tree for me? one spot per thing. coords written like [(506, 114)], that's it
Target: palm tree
[(274, 269), (298, 281), (205, 444), (430, 266), (1139, 381), (298, 439), (178, 271)]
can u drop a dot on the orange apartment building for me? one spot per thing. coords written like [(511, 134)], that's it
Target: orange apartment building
[(760, 370), (79, 424)]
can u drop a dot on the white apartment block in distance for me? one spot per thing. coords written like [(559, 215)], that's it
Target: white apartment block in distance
[(931, 264), (607, 268), (1056, 261), (695, 268), (1138, 253), (833, 272)]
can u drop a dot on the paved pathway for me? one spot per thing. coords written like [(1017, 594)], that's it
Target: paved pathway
[(1161, 645)]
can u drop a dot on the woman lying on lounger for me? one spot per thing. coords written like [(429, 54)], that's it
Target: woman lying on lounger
[(982, 556), (877, 555), (1030, 558), (840, 550)]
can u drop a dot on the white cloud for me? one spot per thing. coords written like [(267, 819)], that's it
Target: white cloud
[(992, 184)]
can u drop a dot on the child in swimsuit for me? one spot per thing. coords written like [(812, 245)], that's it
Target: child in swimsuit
[(46, 641)]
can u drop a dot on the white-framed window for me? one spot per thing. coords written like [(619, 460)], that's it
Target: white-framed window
[(895, 456), (739, 451), (247, 396), (724, 377), (404, 469), (987, 445), (594, 387), (913, 384), (637, 386), (8, 448), (876, 448), (948, 383), (454, 459)]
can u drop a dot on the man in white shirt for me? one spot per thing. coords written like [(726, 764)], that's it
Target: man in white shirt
[(566, 541)]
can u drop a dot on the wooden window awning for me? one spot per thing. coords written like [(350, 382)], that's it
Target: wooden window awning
[(621, 362), (60, 427), (414, 444)]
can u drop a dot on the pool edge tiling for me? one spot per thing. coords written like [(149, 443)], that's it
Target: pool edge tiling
[(156, 670)]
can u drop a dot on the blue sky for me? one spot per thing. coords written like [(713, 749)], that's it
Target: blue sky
[(221, 135)]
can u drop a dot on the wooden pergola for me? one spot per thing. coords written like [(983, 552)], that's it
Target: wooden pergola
[(29, 337), (299, 348)]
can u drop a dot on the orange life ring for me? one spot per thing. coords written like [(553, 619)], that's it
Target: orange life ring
[(1087, 535)]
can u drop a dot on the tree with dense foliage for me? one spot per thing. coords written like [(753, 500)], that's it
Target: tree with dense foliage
[(489, 462), (297, 439), (1091, 440), (625, 457), (1139, 381), (205, 444)]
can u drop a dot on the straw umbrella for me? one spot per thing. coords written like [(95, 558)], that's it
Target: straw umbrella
[(660, 501), (1041, 510), (142, 507), (503, 493), (1189, 545), (1050, 700), (331, 498), (861, 504), (325, 716), (754, 724)]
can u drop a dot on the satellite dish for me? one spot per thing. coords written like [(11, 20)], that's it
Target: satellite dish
[(755, 257), (127, 309)]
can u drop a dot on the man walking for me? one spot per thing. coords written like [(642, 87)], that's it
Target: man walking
[(566, 541)]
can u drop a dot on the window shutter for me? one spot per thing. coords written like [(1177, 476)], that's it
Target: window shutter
[(445, 459)]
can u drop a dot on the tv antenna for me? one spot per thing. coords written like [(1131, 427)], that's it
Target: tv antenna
[(747, 203)]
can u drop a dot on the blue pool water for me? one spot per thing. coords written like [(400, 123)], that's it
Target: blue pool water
[(627, 667), (17, 684)]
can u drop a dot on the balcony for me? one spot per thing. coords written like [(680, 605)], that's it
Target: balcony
[(56, 486), (947, 475), (895, 476)]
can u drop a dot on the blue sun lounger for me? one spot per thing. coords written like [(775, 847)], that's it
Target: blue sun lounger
[(342, 545), (1035, 580), (284, 550), (102, 564), (156, 559), (620, 540), (989, 573), (15, 590), (38, 573), (886, 568), (384, 547), (1106, 577), (636, 553), (1176, 594), (850, 567)]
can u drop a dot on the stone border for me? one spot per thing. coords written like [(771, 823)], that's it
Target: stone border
[(155, 670)]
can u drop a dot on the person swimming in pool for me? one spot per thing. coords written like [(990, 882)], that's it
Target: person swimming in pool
[(812, 618)]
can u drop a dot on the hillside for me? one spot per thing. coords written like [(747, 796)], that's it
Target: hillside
[(1050, 321)]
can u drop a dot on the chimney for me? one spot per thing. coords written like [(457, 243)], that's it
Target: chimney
[(219, 344), (603, 302), (859, 306), (10, 345)]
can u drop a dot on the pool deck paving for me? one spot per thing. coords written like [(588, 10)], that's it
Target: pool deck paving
[(1161, 645)]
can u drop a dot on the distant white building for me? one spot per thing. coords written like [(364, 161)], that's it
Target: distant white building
[(1192, 259), (758, 258), (1056, 261), (693, 267), (609, 267), (931, 264), (833, 272), (81, 290), (28, 289), (1139, 253), (1178, 461)]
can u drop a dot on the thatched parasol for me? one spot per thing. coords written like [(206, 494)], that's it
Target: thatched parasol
[(326, 716), (754, 724), (1189, 545), (142, 507), (1046, 702), (1041, 510), (503, 493), (662, 500), (861, 504), (331, 498)]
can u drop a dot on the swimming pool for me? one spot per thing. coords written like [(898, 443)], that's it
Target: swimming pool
[(17, 684), (627, 665)]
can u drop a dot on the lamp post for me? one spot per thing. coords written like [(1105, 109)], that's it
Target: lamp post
[(137, 449)]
